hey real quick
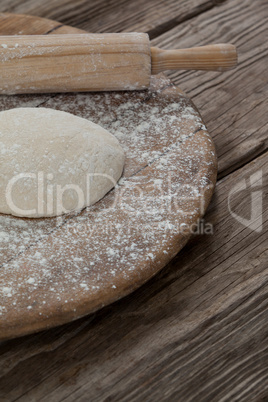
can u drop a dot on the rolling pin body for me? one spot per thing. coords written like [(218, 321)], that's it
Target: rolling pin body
[(68, 63)]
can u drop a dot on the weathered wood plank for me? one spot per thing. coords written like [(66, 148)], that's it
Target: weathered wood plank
[(233, 104), (197, 330), (113, 16)]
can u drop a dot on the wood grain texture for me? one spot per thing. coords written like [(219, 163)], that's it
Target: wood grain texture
[(198, 330), (154, 17), (233, 104), (75, 63), (217, 57)]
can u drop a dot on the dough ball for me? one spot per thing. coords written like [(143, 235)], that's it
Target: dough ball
[(53, 162)]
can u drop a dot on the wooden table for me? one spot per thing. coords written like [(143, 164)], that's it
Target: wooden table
[(198, 330)]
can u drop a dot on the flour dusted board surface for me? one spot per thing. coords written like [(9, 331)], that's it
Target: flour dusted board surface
[(57, 269)]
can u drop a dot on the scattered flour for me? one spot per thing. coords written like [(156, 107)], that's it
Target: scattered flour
[(60, 261)]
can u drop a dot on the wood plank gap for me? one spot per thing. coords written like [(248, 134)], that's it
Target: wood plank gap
[(167, 26), (256, 153), (54, 29)]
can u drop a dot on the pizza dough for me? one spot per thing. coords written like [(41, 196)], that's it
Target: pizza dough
[(53, 162)]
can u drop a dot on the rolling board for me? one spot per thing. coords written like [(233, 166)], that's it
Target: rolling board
[(55, 270)]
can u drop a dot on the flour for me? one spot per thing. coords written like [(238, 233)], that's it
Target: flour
[(128, 235)]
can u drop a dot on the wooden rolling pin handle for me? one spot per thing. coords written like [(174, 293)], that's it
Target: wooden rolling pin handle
[(218, 57)]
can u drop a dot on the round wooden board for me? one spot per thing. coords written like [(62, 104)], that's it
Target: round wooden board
[(56, 270)]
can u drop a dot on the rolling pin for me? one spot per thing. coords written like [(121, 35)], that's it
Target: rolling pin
[(96, 62)]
